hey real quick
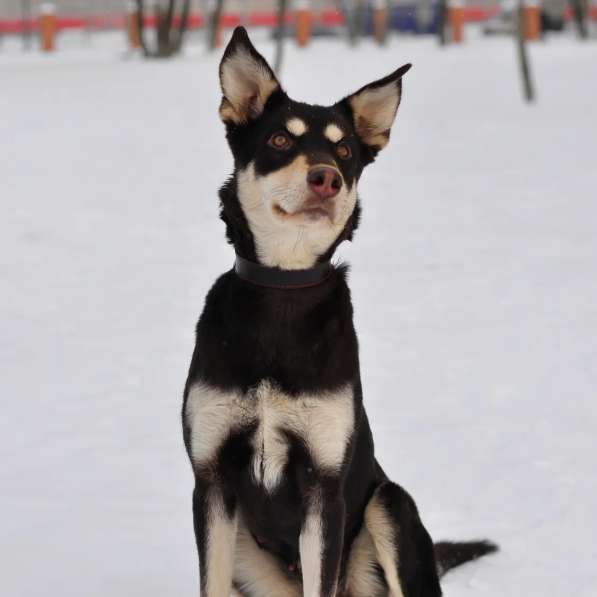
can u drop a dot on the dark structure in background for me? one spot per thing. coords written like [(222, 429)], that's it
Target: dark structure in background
[(442, 14), (523, 56), (580, 13), (214, 24), (170, 28), (282, 8), (27, 16)]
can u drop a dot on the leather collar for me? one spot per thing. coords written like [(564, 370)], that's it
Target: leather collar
[(274, 277)]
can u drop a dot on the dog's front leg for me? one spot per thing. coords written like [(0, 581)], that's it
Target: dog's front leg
[(215, 521), (321, 540)]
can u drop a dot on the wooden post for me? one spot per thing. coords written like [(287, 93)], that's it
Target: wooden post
[(303, 22), (280, 36), (215, 38), (47, 27), (456, 17), (581, 13), (26, 16), (219, 34), (380, 21), (442, 22), (523, 57), (219, 29), (132, 26), (532, 20)]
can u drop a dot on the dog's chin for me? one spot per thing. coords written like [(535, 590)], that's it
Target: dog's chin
[(309, 213)]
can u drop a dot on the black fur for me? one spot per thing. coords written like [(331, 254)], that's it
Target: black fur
[(414, 548), (304, 341), (300, 341), (450, 554)]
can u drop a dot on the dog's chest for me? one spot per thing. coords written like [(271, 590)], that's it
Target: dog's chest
[(323, 422)]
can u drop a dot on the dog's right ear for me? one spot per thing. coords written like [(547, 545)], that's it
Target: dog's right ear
[(247, 80)]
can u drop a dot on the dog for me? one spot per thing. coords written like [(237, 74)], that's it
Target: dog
[(289, 499)]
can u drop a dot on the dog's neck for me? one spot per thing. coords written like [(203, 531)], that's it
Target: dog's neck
[(274, 277)]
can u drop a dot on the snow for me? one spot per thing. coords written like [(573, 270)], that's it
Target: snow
[(474, 283)]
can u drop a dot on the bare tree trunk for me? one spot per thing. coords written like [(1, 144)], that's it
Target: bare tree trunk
[(169, 37), (523, 58), (214, 24), (579, 11), (184, 24), (360, 19), (163, 30), (170, 14), (442, 18), (26, 16), (280, 35), (353, 13)]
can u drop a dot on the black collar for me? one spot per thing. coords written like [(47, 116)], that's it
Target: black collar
[(273, 277)]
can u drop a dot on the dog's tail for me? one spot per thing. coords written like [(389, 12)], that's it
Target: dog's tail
[(450, 554)]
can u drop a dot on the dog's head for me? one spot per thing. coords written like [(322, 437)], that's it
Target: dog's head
[(293, 195)]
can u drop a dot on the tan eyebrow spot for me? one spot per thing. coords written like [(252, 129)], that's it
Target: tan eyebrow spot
[(333, 132), (296, 126)]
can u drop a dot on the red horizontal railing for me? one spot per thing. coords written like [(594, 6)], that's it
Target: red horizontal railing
[(330, 18)]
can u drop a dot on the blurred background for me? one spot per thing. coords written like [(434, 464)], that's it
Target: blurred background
[(474, 275), (320, 17)]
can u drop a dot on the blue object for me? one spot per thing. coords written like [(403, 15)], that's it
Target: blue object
[(409, 18)]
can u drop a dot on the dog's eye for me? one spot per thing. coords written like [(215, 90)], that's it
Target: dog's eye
[(343, 151), (280, 141)]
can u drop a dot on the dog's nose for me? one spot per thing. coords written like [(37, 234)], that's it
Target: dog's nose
[(324, 181)]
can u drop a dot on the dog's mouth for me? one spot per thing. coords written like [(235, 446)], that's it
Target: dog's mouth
[(311, 210)]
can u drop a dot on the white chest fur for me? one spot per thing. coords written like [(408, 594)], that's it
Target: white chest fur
[(324, 421)]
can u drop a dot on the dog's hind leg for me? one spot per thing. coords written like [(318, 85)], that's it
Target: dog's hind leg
[(404, 548)]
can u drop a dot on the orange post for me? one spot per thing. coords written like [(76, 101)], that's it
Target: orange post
[(132, 26), (532, 21), (47, 27), (219, 34), (456, 18), (304, 21), (380, 21)]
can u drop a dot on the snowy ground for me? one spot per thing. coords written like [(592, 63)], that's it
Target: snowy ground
[(475, 288)]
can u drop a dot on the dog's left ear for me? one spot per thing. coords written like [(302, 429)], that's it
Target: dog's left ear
[(247, 80), (374, 107)]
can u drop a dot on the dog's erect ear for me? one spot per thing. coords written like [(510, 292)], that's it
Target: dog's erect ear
[(374, 108), (246, 78)]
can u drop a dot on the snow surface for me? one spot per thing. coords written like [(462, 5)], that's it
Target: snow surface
[(475, 286)]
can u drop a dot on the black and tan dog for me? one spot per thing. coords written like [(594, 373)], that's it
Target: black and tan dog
[(289, 499)]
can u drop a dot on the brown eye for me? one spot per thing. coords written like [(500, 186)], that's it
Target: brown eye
[(279, 141), (343, 151)]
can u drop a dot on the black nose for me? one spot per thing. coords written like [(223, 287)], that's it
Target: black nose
[(324, 181)]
